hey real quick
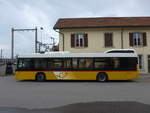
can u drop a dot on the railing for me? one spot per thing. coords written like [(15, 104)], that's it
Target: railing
[(3, 65)]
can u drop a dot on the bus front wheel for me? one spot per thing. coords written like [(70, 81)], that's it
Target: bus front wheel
[(102, 77), (40, 77)]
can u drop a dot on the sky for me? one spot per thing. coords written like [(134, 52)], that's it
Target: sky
[(21, 14)]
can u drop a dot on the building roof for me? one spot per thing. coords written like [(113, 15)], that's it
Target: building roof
[(102, 22)]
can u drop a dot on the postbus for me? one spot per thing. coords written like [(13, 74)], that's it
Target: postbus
[(119, 64)]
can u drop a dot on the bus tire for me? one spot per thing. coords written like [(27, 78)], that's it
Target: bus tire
[(40, 77), (102, 77)]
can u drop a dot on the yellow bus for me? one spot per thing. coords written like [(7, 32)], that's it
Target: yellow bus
[(119, 64)]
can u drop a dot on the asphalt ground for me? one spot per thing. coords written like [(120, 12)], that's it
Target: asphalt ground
[(93, 107), (75, 96)]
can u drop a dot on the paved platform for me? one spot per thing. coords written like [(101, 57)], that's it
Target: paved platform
[(57, 95), (93, 107)]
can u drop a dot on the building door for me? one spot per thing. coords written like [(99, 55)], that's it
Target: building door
[(148, 63)]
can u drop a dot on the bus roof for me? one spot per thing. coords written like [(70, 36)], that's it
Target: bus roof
[(69, 55)]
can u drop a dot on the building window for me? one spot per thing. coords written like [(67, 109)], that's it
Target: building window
[(108, 38), (79, 40), (141, 62), (137, 39)]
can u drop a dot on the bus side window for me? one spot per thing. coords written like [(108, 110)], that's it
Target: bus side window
[(75, 63), (100, 63), (67, 63), (89, 62), (131, 63), (116, 63), (50, 63), (20, 63), (40, 63), (27, 63), (57, 63), (82, 63)]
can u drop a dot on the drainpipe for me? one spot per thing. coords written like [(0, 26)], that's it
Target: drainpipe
[(121, 38), (62, 38)]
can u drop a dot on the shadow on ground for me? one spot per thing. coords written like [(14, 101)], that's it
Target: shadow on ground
[(77, 81), (92, 107)]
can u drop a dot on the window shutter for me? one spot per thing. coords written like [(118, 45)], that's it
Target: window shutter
[(72, 40), (144, 39), (108, 40), (131, 39), (86, 40)]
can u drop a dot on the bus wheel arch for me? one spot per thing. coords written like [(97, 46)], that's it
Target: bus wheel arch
[(102, 77), (40, 77)]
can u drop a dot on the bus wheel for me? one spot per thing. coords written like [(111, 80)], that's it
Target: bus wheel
[(102, 77), (40, 77)]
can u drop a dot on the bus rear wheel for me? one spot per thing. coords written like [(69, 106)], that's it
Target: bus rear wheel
[(40, 77), (102, 77)]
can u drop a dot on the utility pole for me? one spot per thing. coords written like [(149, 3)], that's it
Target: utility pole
[(22, 30), (35, 39), (12, 43), (1, 55), (53, 43)]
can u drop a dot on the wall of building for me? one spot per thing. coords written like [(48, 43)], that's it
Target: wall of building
[(145, 51), (96, 41)]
